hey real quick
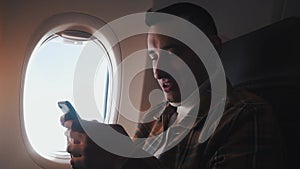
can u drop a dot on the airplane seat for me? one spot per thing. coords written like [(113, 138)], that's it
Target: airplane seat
[(267, 62)]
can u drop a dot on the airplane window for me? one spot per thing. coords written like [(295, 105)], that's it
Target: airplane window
[(49, 78)]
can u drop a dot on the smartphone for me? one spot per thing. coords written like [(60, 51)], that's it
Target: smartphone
[(68, 109)]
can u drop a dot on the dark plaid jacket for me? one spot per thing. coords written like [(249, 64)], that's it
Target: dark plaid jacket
[(247, 137)]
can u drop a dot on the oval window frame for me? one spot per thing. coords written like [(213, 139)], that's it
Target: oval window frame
[(51, 26)]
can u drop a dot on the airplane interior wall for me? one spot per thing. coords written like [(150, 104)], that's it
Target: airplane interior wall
[(20, 19), (138, 82), (1, 24)]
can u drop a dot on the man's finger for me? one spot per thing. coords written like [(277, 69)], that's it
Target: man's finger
[(76, 150), (76, 126), (68, 124), (62, 120), (78, 162)]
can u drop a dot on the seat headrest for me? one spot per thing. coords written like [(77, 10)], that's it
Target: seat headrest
[(268, 53)]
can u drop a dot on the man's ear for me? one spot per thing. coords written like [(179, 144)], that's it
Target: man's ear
[(217, 42)]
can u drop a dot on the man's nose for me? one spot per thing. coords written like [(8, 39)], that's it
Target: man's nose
[(161, 67)]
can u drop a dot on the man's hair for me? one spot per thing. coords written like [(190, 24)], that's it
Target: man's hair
[(190, 12)]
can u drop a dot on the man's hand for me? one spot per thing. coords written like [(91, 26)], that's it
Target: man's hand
[(87, 154)]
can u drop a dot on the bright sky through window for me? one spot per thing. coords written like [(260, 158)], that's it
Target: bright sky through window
[(49, 79)]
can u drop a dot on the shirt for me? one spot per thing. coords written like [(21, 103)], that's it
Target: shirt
[(247, 137)]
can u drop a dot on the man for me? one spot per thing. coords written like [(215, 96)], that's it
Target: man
[(246, 136)]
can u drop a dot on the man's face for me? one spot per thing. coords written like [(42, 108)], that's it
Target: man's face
[(172, 60)]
